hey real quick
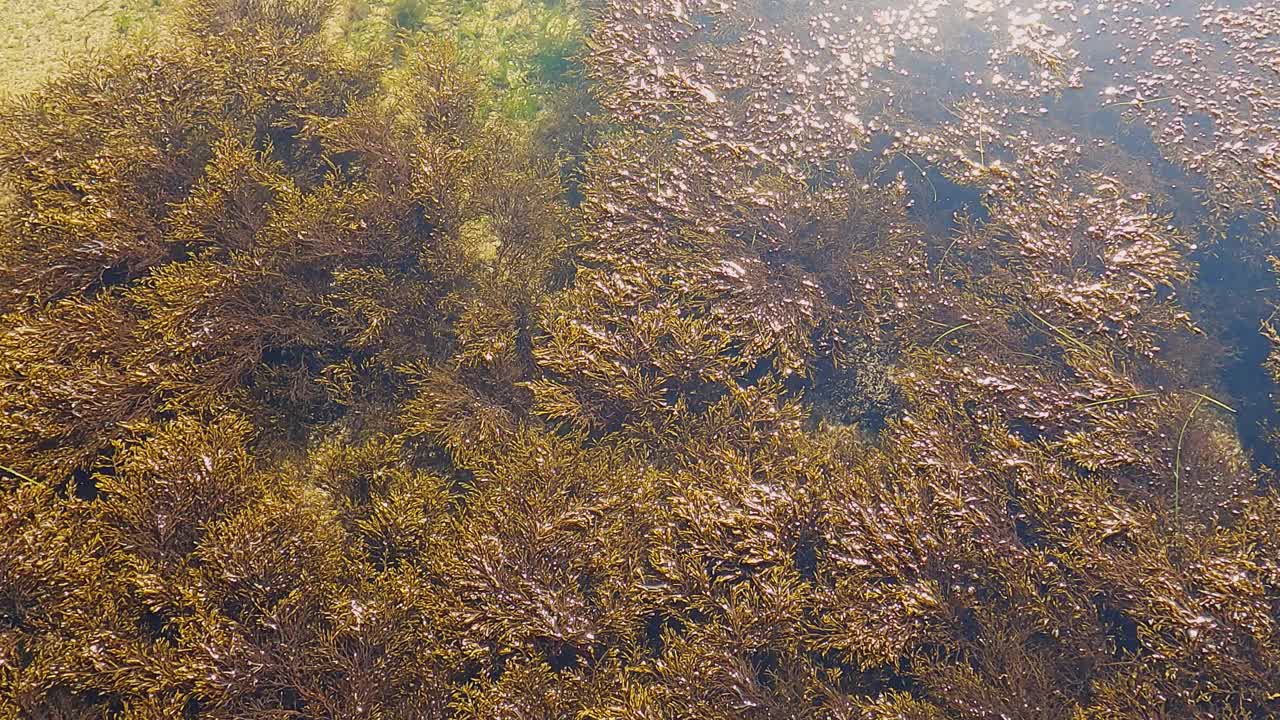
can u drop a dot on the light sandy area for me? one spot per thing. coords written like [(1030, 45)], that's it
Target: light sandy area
[(39, 37)]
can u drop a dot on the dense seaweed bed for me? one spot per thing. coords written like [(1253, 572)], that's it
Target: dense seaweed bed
[(645, 359)]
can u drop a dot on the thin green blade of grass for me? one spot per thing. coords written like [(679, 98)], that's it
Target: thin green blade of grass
[(955, 329), (15, 473), (1113, 401), (1062, 333), (1177, 459), (1214, 401)]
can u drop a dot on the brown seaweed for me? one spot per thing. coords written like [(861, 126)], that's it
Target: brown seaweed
[(321, 398)]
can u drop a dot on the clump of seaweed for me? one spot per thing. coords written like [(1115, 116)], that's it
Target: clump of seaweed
[(228, 228)]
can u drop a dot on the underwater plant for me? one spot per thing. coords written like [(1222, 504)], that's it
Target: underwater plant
[(329, 390), (207, 238), (524, 50)]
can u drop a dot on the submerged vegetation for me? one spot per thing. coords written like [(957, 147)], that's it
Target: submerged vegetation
[(522, 49), (390, 374)]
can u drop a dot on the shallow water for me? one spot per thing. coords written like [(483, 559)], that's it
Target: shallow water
[(640, 358)]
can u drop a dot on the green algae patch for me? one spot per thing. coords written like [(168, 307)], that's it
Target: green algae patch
[(524, 50)]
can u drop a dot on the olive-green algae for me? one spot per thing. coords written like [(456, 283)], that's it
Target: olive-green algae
[(322, 400)]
